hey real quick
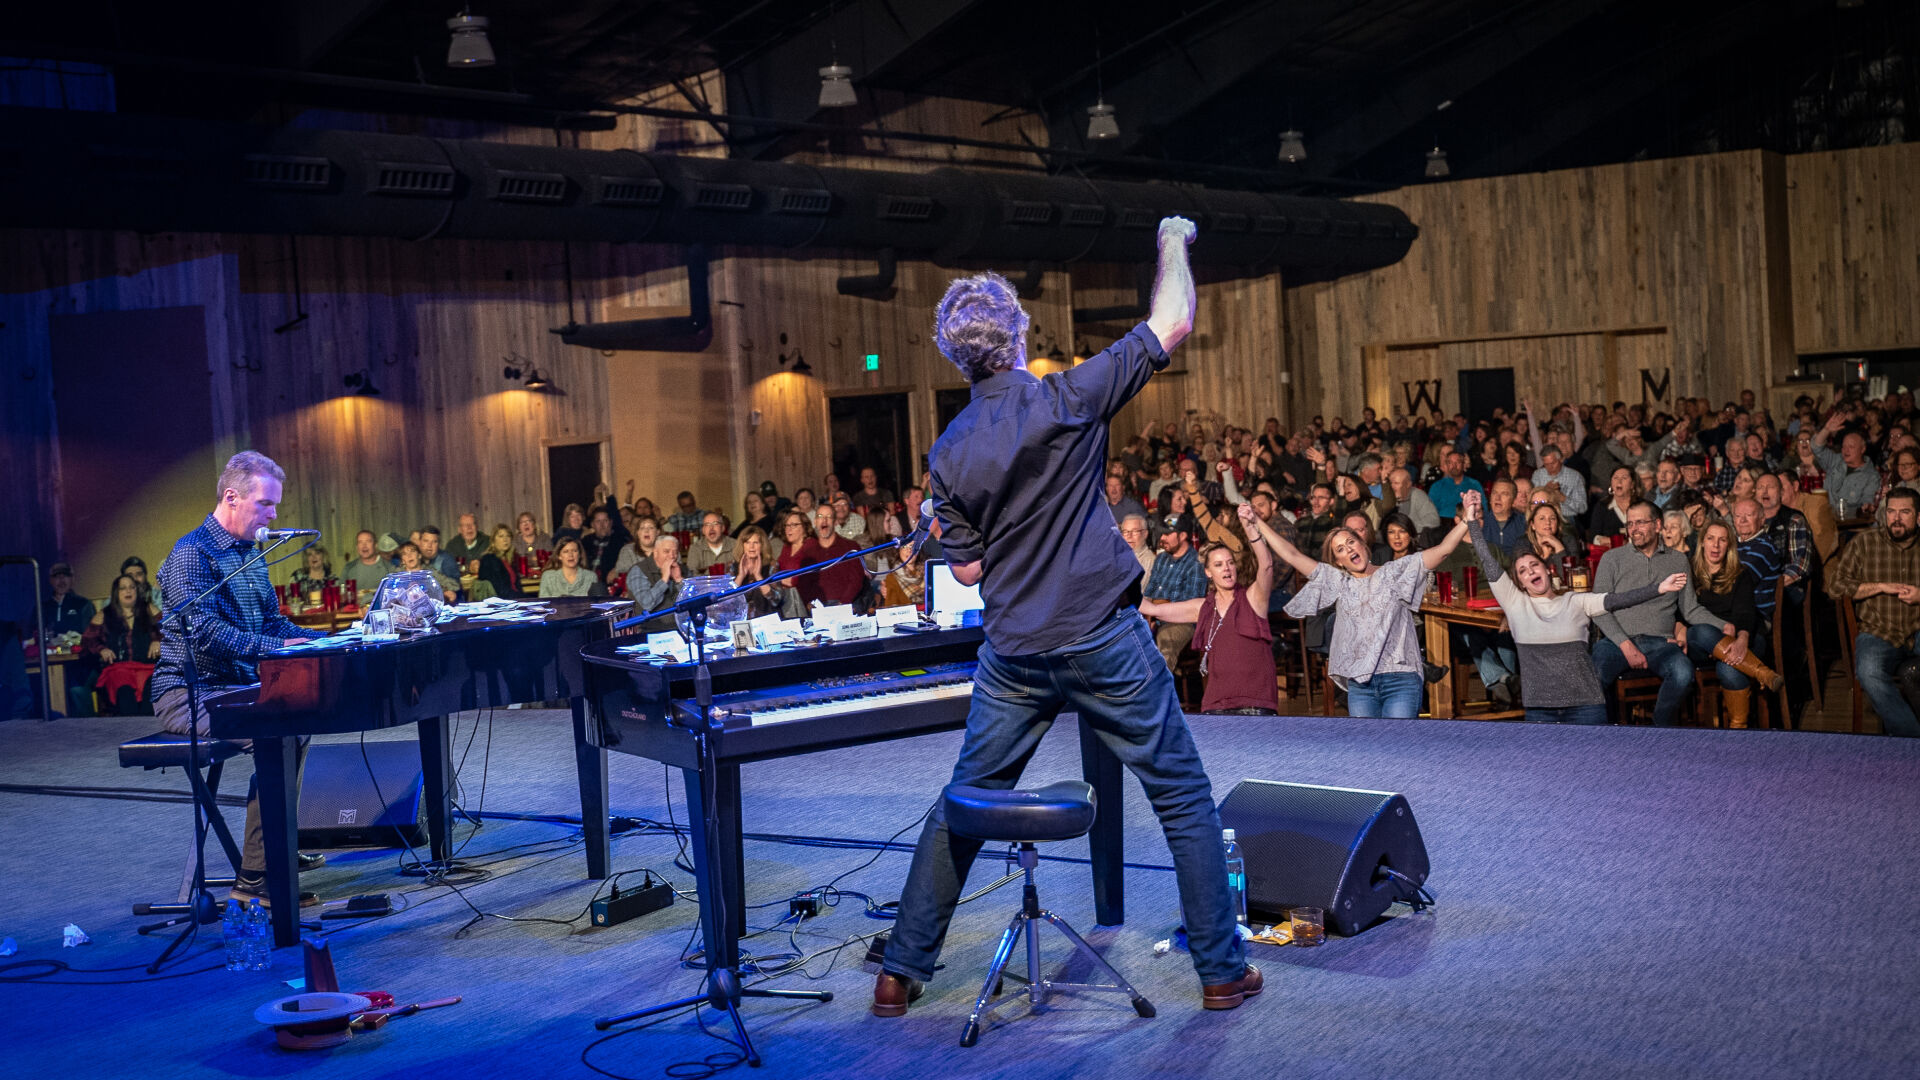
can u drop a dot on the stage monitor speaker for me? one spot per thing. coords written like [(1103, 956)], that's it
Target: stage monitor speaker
[(339, 806), (1325, 847)]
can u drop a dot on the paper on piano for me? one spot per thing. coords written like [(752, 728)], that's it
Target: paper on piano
[(824, 617), (904, 615), (671, 645), (771, 630)]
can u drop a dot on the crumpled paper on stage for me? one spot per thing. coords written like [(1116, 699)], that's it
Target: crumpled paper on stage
[(8, 947), (72, 935), (1277, 934)]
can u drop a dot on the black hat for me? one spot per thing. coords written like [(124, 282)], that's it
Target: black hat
[(1691, 459), (133, 560), (1179, 523), (767, 490), (58, 569)]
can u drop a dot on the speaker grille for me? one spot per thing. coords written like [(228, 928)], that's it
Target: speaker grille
[(409, 179), (1134, 217), (733, 197), (1086, 215), (286, 172), (627, 191), (905, 207), (813, 202), (1021, 212), (534, 187)]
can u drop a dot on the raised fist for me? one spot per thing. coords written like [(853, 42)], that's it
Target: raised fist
[(1247, 516), (1177, 226)]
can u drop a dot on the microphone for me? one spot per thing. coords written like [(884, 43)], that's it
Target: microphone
[(264, 534)]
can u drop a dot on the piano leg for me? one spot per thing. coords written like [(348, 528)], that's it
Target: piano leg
[(1107, 839), (734, 861), (436, 770), (590, 762), (275, 765)]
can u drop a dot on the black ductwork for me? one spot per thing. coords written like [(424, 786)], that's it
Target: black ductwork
[(101, 170)]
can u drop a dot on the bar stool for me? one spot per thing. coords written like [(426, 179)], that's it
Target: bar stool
[(1059, 811), (164, 750)]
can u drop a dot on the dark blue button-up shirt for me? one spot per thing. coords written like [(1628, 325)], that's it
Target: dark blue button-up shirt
[(233, 627), (1019, 478)]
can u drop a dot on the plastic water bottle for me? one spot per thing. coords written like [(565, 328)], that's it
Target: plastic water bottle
[(259, 938), (1236, 877), (237, 935)]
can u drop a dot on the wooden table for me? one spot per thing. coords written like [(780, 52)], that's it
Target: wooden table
[(1438, 621), (58, 659)]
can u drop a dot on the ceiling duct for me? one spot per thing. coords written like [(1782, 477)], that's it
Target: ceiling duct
[(114, 171)]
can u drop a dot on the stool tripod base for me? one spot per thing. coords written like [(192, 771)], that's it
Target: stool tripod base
[(1038, 989)]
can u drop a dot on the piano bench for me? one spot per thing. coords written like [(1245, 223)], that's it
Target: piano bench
[(165, 750)]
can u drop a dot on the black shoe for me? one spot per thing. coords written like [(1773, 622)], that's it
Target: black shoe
[(311, 862), (1501, 693), (247, 887)]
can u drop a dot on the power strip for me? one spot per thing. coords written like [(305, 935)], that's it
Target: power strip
[(618, 907)]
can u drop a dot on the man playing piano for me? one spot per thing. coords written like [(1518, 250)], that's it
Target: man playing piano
[(1016, 479), (231, 628)]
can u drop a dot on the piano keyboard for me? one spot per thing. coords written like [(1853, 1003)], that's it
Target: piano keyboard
[(828, 698)]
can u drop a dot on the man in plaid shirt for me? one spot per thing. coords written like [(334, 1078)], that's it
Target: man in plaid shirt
[(231, 629), (1879, 570), (1791, 535)]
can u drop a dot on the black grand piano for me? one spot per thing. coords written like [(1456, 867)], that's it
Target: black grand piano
[(795, 701), (466, 663)]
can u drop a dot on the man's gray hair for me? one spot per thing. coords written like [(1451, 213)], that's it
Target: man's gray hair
[(243, 469), (980, 325)]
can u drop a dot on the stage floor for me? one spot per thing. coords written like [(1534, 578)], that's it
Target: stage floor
[(1612, 903)]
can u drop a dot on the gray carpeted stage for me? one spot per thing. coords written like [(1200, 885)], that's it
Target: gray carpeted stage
[(1612, 903)]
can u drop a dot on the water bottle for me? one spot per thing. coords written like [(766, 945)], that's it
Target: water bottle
[(259, 938), (237, 935), (1236, 877)]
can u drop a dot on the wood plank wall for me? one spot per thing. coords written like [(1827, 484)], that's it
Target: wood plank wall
[(1684, 244), (1854, 221)]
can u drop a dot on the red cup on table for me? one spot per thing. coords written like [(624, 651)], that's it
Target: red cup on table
[(1473, 581), (1445, 580)]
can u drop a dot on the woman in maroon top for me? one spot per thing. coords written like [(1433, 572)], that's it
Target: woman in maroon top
[(1232, 635)]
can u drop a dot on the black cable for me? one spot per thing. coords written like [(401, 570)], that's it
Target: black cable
[(1421, 898)]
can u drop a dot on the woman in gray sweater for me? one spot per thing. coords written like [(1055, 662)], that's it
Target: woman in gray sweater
[(1557, 680)]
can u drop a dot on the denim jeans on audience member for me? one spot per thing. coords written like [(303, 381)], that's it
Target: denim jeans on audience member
[(1569, 714), (1876, 662), (1664, 659), (1388, 693), (1700, 643), (1494, 657), (1115, 680)]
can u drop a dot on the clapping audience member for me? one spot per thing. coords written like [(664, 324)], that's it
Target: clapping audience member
[(1727, 588), (655, 584), (1879, 570), (752, 564), (1231, 631), (1643, 637), (568, 576)]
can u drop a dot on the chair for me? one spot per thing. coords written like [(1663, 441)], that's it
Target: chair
[(1630, 690), (1059, 811), (1850, 629), (1776, 703), (165, 750)]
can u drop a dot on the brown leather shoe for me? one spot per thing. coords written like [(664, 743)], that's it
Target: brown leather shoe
[(893, 993), (1230, 995)]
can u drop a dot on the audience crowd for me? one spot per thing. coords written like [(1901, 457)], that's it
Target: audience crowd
[(1650, 543)]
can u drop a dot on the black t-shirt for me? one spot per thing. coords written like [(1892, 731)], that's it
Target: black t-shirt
[(1019, 482)]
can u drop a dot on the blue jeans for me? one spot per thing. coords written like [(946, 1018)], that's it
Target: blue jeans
[(1388, 693), (1664, 659), (1494, 657), (1700, 643), (1569, 714), (1114, 678), (1875, 661)]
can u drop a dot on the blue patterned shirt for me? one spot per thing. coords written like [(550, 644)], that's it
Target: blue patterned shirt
[(231, 628), (1175, 579)]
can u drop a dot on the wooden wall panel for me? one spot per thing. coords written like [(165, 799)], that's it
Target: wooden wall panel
[(1683, 244), (1854, 222)]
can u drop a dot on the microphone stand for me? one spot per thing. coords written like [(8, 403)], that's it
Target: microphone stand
[(200, 907), (723, 990)]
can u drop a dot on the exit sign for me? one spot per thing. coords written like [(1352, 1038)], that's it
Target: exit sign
[(873, 361)]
